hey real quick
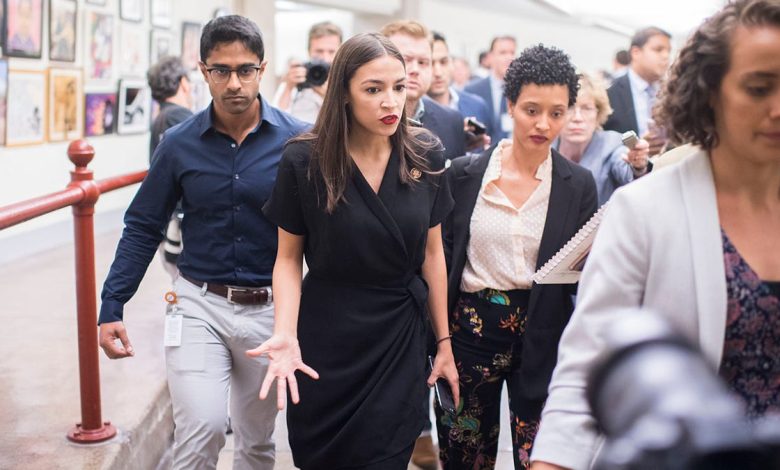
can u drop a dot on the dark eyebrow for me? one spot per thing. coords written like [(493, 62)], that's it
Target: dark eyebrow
[(379, 82), (247, 64), (760, 74)]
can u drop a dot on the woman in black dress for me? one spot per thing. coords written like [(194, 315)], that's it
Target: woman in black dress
[(363, 197)]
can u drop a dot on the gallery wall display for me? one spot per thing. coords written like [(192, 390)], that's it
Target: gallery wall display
[(99, 45), (161, 13), (134, 107), (190, 44), (26, 116), (66, 105), (3, 97), (133, 50), (23, 28), (161, 45), (62, 30), (99, 114), (2, 28), (131, 10)]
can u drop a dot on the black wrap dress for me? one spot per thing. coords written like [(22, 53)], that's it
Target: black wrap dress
[(361, 322)]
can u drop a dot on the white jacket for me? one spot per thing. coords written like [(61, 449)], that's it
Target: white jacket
[(659, 247)]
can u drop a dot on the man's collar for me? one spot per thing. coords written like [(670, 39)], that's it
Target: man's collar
[(268, 114), (638, 82), (419, 112)]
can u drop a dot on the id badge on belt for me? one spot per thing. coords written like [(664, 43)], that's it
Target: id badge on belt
[(173, 322)]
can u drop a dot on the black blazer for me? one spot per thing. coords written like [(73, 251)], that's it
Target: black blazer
[(447, 125), (623, 117), (573, 199)]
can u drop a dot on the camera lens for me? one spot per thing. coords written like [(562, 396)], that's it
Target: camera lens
[(317, 72)]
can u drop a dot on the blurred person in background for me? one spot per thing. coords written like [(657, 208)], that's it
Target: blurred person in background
[(491, 88), (461, 73), (324, 40), (703, 250), (469, 105), (633, 95), (583, 141)]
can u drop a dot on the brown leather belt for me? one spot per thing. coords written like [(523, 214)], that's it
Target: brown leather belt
[(237, 295)]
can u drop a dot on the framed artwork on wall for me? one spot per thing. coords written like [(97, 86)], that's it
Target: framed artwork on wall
[(99, 45), (2, 31), (26, 118), (66, 104), (3, 97), (134, 107), (131, 10), (99, 114), (190, 45), (62, 30), (23, 28), (161, 13), (133, 49), (161, 45)]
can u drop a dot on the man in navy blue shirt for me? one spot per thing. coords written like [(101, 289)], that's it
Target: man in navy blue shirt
[(222, 164)]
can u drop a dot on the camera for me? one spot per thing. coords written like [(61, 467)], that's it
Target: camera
[(661, 405), (316, 73)]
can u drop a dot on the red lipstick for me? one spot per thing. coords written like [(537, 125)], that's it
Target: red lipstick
[(390, 119), (539, 139)]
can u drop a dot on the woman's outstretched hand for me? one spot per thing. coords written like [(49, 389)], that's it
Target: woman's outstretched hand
[(444, 367), (284, 356)]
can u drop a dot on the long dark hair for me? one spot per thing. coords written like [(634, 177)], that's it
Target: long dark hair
[(330, 134)]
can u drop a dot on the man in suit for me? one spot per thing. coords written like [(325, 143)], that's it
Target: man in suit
[(491, 88), (468, 104), (633, 95), (413, 41)]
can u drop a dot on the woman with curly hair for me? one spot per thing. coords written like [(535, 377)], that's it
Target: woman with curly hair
[(515, 206), (704, 251)]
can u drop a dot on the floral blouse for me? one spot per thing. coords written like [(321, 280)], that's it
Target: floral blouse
[(751, 352)]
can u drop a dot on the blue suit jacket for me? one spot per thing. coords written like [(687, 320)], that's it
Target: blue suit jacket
[(470, 104), (447, 125), (482, 89), (623, 117)]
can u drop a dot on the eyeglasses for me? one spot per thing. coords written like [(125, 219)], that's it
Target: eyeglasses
[(585, 110), (245, 73)]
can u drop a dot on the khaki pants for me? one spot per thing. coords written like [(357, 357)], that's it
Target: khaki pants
[(209, 365)]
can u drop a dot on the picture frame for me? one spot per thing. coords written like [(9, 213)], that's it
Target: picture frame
[(161, 44), (2, 30), (63, 15), (66, 104), (133, 107), (99, 45), (133, 49), (199, 92), (161, 13), (23, 35), (131, 10), (190, 44), (3, 97), (97, 2), (26, 108), (99, 114)]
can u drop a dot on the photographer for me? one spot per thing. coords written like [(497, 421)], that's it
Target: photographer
[(304, 85), (705, 248)]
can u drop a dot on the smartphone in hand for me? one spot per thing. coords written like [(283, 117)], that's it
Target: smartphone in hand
[(443, 392)]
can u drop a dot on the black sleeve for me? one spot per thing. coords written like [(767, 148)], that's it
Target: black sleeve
[(442, 202), (588, 206), (284, 208)]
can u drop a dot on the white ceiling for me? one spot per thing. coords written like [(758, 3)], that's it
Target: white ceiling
[(679, 17)]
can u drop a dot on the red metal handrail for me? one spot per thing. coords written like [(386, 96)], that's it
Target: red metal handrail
[(82, 193)]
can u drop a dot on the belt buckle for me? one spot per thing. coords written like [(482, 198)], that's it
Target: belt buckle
[(229, 295)]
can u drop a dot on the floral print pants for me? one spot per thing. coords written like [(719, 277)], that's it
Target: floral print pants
[(487, 334)]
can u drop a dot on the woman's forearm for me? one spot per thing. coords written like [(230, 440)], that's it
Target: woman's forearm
[(288, 271), (434, 271)]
